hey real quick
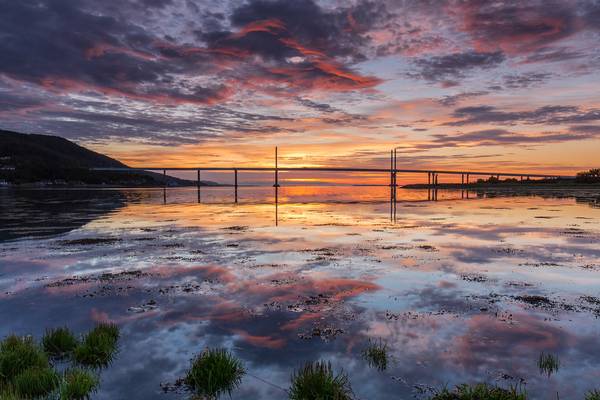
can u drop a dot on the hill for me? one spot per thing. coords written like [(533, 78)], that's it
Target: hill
[(53, 160)]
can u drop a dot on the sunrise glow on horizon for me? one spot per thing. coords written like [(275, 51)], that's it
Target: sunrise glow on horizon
[(510, 86)]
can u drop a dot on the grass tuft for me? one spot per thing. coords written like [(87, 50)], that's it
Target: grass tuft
[(18, 354), (8, 394), (480, 391), (78, 384), (35, 382), (26, 373), (98, 346), (376, 354), (316, 381), (593, 395), (214, 372), (59, 342), (108, 329), (548, 364)]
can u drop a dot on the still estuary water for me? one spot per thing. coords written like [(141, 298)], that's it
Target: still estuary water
[(461, 289)]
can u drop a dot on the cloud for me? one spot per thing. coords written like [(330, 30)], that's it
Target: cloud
[(526, 80), (455, 66), (335, 32), (503, 137), (325, 108), (516, 27), (134, 121), (15, 103), (586, 129), (66, 48), (548, 115), (553, 54), (182, 72), (491, 137), (591, 14), (457, 98), (301, 46)]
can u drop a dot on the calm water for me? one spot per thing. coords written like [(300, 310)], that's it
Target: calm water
[(313, 277)]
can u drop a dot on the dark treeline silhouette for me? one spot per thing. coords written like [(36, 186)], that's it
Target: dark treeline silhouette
[(591, 176)]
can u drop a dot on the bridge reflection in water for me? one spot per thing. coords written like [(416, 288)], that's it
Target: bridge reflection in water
[(424, 195)]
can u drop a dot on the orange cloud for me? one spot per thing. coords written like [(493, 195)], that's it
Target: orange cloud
[(267, 25), (102, 48)]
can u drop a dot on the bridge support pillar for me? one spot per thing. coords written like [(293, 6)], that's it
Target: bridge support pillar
[(165, 178), (391, 168), (395, 171), (462, 179), (199, 186), (235, 183), (276, 184), (468, 176)]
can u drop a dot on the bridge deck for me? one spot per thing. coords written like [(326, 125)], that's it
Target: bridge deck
[(329, 169)]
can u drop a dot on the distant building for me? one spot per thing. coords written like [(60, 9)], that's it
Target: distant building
[(4, 160)]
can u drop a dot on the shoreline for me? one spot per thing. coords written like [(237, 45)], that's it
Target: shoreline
[(44, 186), (593, 186), (449, 186)]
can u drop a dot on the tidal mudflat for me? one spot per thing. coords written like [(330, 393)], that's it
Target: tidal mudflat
[(501, 288)]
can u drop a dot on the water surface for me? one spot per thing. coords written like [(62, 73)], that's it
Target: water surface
[(450, 285)]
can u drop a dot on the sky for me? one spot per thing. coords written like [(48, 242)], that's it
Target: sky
[(504, 85)]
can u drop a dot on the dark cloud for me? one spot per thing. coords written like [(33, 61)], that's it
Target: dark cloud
[(549, 115), (492, 137), (455, 66), (553, 54), (12, 103), (526, 80), (97, 121), (586, 129), (325, 108), (591, 13), (337, 32), (64, 48), (516, 26), (457, 98), (156, 3), (302, 45)]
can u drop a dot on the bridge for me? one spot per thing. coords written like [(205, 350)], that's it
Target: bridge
[(392, 170)]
